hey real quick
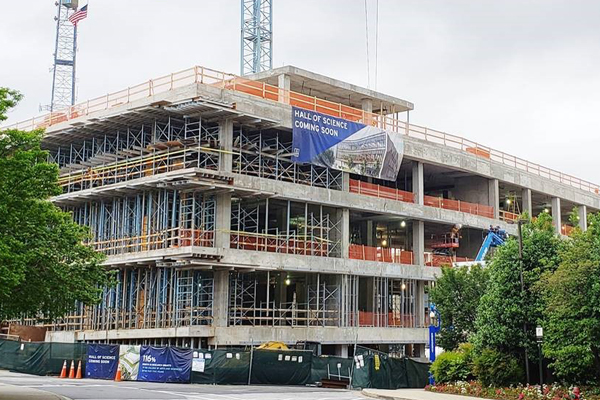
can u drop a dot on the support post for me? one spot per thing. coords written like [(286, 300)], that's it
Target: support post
[(418, 185), (582, 210), (226, 139), (419, 243), (556, 215), (494, 196), (527, 204), (221, 298), (284, 84), (223, 221), (345, 228)]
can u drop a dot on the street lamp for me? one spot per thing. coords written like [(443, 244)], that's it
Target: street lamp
[(539, 334)]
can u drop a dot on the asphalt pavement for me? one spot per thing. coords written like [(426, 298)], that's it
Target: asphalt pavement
[(91, 389)]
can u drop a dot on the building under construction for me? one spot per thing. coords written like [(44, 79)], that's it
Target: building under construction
[(220, 239)]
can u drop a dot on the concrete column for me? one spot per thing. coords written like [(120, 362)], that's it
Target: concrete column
[(223, 221), (344, 218), (221, 297), (418, 184), (420, 304), (582, 210), (494, 196), (345, 181), (527, 204), (419, 243), (367, 105), (556, 219), (283, 82), (341, 350), (370, 233), (226, 139)]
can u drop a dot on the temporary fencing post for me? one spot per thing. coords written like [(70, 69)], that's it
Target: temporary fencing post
[(251, 358)]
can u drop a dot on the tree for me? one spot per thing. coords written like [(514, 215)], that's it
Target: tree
[(505, 308), (456, 295), (572, 296), (44, 266)]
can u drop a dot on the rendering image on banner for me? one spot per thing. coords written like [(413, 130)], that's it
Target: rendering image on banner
[(345, 145)]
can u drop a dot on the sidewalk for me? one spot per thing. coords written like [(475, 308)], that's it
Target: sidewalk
[(412, 394), (10, 392)]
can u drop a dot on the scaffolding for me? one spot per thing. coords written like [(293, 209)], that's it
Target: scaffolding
[(285, 227), (147, 297), (137, 152), (267, 154), (148, 220)]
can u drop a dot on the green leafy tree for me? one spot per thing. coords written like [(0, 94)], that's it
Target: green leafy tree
[(572, 295), (44, 266), (456, 295), (505, 308)]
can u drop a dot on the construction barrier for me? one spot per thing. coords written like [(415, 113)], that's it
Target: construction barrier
[(369, 369), (373, 369)]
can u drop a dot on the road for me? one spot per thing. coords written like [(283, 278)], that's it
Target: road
[(88, 389)]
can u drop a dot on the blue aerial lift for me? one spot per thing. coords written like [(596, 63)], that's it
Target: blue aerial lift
[(494, 238)]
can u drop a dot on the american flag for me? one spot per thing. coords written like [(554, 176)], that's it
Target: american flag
[(79, 15)]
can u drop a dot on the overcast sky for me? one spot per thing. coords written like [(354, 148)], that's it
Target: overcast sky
[(520, 76)]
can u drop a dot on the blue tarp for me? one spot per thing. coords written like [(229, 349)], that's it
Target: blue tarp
[(102, 361), (165, 364)]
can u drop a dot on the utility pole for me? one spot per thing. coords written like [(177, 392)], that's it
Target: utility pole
[(520, 223)]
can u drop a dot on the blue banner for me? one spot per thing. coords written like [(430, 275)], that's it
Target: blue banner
[(165, 364), (345, 145), (102, 361)]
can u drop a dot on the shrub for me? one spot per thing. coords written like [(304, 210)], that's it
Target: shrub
[(452, 366), (493, 368)]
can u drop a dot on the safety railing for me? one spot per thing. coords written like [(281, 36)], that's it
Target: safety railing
[(458, 205), (273, 93), (382, 254), (168, 238), (390, 319), (371, 189), (139, 167), (435, 260), (281, 243), (566, 230), (508, 216)]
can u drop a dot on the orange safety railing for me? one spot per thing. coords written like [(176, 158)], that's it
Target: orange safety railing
[(391, 319), (273, 93), (371, 189), (508, 216), (434, 260), (391, 255), (458, 205), (566, 229), (288, 244)]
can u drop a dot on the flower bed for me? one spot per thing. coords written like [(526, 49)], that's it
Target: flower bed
[(547, 392)]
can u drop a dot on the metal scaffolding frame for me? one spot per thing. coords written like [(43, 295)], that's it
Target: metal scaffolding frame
[(393, 304), (145, 298), (317, 228), (267, 154), (148, 220), (137, 152)]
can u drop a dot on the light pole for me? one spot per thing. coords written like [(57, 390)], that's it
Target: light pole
[(520, 223), (435, 323), (539, 334)]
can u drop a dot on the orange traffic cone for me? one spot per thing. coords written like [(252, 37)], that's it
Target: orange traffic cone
[(72, 370), (118, 376), (63, 372), (78, 376)]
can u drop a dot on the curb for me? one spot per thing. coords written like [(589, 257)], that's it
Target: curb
[(367, 393)]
